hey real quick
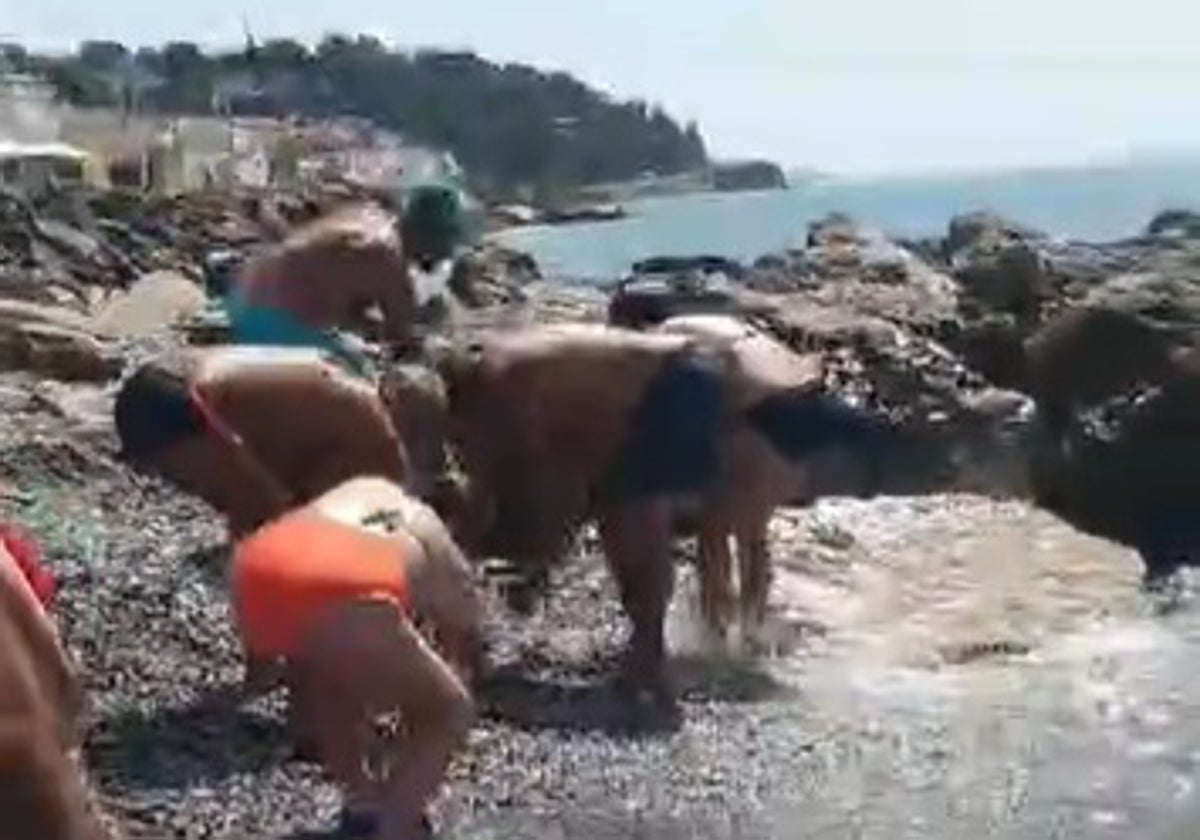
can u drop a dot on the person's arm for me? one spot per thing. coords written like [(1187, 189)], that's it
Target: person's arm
[(202, 397), (50, 659), (398, 302), (453, 605)]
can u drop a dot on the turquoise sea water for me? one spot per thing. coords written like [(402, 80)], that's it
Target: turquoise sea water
[(1091, 204)]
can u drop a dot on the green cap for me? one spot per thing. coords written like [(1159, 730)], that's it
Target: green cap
[(433, 224)]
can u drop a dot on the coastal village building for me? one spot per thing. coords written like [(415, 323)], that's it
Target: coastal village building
[(44, 142), (36, 169), (32, 158)]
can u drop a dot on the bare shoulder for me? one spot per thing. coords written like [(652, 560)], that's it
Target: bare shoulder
[(356, 225)]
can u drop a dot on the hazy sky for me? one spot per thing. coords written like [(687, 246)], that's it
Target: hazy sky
[(844, 85)]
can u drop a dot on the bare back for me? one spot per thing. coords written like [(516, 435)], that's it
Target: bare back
[(310, 423), (329, 271)]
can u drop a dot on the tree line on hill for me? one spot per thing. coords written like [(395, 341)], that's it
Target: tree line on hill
[(514, 128)]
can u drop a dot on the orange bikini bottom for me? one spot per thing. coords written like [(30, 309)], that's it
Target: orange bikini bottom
[(291, 571)]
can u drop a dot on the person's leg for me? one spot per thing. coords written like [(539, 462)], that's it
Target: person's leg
[(364, 661), (637, 545), (715, 570), (754, 574)]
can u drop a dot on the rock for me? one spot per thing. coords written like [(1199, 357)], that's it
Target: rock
[(1168, 295), (584, 213), (748, 175), (1011, 277), (14, 313), (859, 269), (56, 353), (984, 229), (513, 215), (804, 324), (831, 230), (1176, 223), (993, 346), (1134, 478), (491, 275), (153, 304)]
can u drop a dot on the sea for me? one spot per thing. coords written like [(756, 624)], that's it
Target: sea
[(1099, 203)]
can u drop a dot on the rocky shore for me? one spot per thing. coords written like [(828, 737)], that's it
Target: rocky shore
[(785, 748)]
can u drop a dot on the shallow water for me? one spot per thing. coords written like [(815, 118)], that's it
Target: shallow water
[(951, 667), (994, 672)]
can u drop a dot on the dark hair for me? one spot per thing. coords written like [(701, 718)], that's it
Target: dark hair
[(153, 410)]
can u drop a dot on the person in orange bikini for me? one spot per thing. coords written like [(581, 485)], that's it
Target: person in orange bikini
[(367, 599)]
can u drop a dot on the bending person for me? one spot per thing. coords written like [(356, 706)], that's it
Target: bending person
[(255, 430), (324, 278), (366, 597)]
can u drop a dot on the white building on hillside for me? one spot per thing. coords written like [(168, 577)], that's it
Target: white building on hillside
[(28, 113)]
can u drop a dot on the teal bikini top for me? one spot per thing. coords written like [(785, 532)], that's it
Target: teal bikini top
[(268, 325)]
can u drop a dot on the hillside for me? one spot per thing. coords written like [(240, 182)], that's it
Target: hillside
[(514, 128)]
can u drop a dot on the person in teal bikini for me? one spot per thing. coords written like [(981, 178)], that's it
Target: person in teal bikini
[(273, 326), (321, 280)]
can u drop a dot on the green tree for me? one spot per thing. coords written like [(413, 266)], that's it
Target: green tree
[(514, 128)]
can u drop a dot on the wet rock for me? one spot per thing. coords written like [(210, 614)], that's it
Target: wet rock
[(1175, 223)]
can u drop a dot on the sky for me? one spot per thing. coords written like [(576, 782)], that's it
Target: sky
[(844, 86)]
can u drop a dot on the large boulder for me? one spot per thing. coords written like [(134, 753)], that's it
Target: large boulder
[(491, 275), (56, 353), (972, 230), (1011, 277), (1130, 472), (1168, 294), (993, 345), (1175, 223), (917, 381), (52, 342), (153, 304), (846, 265)]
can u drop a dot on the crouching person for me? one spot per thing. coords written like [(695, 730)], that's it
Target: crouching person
[(255, 430), (367, 599)]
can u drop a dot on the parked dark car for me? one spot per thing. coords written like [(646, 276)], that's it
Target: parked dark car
[(661, 287)]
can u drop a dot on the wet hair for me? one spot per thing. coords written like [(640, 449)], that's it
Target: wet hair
[(153, 411)]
